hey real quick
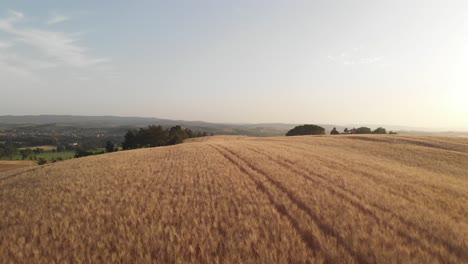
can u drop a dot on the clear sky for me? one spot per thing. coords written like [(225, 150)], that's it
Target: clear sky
[(336, 62)]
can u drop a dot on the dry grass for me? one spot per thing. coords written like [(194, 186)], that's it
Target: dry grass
[(342, 199)]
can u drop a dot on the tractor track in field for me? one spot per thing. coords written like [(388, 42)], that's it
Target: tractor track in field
[(310, 240), (386, 182), (351, 198), (8, 176), (431, 188), (373, 177)]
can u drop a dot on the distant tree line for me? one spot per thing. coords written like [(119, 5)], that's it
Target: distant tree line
[(361, 130), (318, 130), (156, 136)]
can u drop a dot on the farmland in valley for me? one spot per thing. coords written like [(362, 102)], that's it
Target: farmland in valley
[(311, 199)]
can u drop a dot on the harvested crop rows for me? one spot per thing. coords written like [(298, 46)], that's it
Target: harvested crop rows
[(341, 199)]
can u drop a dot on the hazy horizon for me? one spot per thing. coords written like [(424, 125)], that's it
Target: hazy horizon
[(388, 126), (327, 62)]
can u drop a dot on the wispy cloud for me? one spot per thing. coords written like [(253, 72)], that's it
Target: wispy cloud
[(46, 48), (13, 17), (23, 67), (355, 57), (56, 19), (15, 14), (5, 45)]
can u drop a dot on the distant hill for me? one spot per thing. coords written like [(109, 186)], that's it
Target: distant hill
[(118, 121), (259, 129)]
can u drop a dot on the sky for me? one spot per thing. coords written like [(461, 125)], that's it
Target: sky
[(324, 62)]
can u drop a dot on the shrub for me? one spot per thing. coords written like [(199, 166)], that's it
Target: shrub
[(41, 161)]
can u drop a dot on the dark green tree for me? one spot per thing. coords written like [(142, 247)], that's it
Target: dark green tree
[(334, 132), (130, 140), (25, 153), (155, 136), (363, 130), (82, 153), (38, 150), (9, 149), (306, 130), (109, 146), (177, 135), (176, 139), (379, 130)]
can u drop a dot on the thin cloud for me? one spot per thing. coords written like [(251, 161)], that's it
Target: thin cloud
[(56, 19), (13, 17), (355, 58), (11, 64), (5, 45), (15, 14), (55, 47)]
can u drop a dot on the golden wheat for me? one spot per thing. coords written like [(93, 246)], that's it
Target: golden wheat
[(332, 199), (8, 165)]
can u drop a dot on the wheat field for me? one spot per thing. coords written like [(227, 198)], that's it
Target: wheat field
[(310, 199), (7, 165)]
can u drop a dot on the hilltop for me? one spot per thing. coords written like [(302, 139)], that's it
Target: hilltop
[(333, 199)]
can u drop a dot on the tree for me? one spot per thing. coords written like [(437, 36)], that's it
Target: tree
[(379, 130), (25, 153), (334, 132), (90, 144), (306, 130), (155, 136), (392, 133), (60, 148), (177, 135), (109, 146), (177, 139), (363, 130), (38, 150), (82, 153), (9, 149), (346, 130), (130, 140)]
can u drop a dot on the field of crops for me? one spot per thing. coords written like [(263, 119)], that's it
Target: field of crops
[(313, 199), (7, 165)]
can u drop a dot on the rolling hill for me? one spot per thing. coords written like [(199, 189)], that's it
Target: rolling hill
[(309, 199), (259, 129)]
